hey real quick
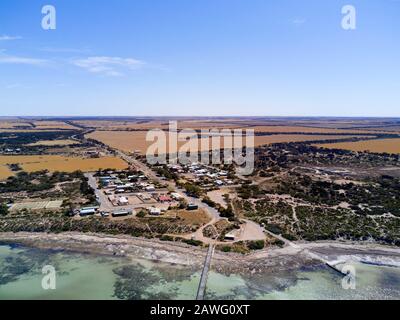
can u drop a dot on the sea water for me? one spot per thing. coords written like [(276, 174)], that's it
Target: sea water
[(90, 276)]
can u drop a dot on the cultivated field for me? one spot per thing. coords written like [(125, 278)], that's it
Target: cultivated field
[(195, 217), (53, 143), (5, 172), (130, 141), (37, 205), (13, 124), (377, 146), (46, 125), (302, 129), (42, 125), (60, 163)]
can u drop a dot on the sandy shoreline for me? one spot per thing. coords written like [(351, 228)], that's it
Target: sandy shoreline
[(266, 260)]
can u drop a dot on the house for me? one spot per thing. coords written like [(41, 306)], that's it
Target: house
[(230, 237), (122, 213), (164, 198), (192, 206), (144, 196), (219, 183), (176, 196), (155, 211), (87, 212)]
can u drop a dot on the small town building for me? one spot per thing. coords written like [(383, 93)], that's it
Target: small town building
[(154, 211), (230, 237), (87, 212), (150, 188), (192, 206), (122, 213), (164, 198), (123, 201), (176, 196)]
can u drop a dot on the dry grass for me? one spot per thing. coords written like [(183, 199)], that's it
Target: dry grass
[(23, 126), (283, 138), (5, 172), (301, 129), (121, 125), (122, 140), (136, 140), (13, 124), (391, 129), (195, 217), (25, 130), (53, 143), (258, 125), (46, 125), (60, 163), (377, 146)]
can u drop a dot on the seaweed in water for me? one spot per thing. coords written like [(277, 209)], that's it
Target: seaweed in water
[(24, 262), (12, 268), (135, 281)]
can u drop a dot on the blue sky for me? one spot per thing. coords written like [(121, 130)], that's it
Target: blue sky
[(200, 58)]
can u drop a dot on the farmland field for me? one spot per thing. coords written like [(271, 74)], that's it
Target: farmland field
[(304, 129), (377, 146), (13, 124), (59, 163), (53, 143), (45, 125), (258, 126), (5, 172), (130, 141)]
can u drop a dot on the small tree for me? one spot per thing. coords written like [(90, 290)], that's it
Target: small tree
[(141, 214), (3, 209)]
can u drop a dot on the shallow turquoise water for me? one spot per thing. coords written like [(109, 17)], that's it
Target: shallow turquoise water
[(83, 276), (371, 282)]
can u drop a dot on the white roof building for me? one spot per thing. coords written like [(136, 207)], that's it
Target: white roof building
[(123, 201), (154, 211), (176, 196)]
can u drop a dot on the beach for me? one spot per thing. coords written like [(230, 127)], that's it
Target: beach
[(96, 266), (266, 260)]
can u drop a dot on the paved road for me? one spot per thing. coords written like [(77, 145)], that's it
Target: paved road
[(105, 204), (250, 231)]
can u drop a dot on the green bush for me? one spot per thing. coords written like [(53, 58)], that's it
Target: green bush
[(256, 245), (141, 214), (3, 209)]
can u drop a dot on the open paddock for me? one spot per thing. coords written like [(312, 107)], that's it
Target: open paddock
[(13, 124), (376, 146), (5, 172), (53, 143), (60, 163), (195, 217), (37, 205), (136, 140), (45, 125)]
